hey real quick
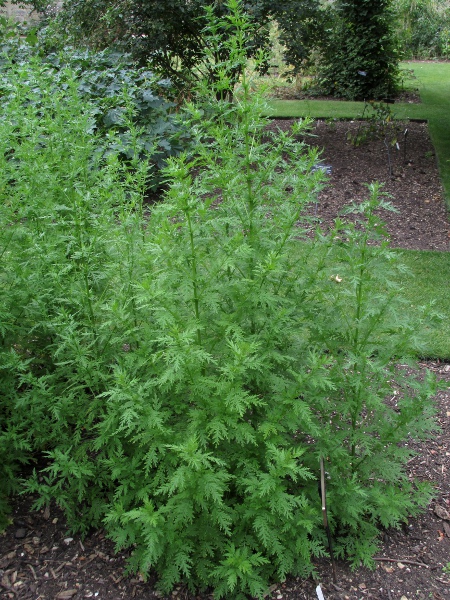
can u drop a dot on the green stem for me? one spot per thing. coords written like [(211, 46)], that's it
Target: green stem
[(87, 287), (194, 276), (356, 338), (249, 187)]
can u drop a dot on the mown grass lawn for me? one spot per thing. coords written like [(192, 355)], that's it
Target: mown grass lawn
[(429, 281), (430, 271)]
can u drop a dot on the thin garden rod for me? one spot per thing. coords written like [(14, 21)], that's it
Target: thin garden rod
[(323, 495)]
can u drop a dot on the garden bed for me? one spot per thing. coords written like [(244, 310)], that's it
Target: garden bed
[(40, 560), (422, 220)]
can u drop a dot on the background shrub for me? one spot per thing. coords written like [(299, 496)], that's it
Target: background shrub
[(423, 28), (170, 35), (360, 59), (122, 94)]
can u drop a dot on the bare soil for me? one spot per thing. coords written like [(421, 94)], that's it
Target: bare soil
[(407, 169), (40, 561)]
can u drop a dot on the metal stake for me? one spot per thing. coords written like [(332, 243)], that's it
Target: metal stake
[(323, 494)]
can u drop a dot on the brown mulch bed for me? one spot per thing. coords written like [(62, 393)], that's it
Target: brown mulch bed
[(408, 172), (40, 561), (421, 222)]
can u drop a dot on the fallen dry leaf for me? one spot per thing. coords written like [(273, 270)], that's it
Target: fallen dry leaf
[(441, 512), (8, 556), (66, 594), (446, 529), (28, 548)]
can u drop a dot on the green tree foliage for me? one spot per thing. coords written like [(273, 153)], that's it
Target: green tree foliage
[(360, 59), (184, 369), (170, 34), (423, 28), (301, 25)]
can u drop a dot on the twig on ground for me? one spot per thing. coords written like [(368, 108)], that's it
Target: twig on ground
[(9, 588), (399, 560), (33, 571)]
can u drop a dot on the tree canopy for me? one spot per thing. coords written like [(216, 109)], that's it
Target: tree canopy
[(354, 39), (360, 59), (171, 36)]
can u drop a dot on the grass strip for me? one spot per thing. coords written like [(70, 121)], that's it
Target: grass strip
[(433, 80), (337, 109), (428, 282), (430, 271)]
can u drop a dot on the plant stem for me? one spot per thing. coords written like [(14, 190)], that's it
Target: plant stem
[(194, 275)]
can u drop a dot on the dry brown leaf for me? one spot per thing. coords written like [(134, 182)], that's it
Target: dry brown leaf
[(66, 594), (4, 560), (446, 529), (441, 512)]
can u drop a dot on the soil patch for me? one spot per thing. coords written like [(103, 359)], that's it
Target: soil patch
[(407, 169)]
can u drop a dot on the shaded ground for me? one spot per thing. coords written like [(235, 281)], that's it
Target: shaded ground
[(408, 171), (410, 175), (40, 561)]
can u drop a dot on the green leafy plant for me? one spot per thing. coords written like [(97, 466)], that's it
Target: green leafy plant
[(183, 370), (360, 59), (379, 124), (122, 94), (366, 330)]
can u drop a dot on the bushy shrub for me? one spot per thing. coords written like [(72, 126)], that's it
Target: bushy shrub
[(121, 92), (423, 28), (170, 35), (360, 58), (181, 373)]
